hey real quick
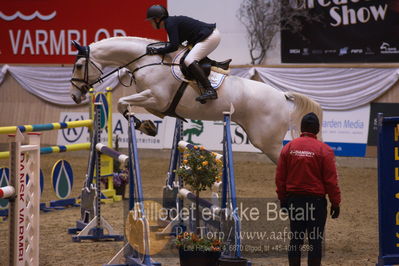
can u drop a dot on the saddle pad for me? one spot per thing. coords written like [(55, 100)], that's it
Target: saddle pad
[(215, 78)]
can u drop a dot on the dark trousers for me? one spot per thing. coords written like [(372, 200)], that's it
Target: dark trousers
[(307, 215)]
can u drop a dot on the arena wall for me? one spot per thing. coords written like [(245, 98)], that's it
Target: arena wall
[(19, 107)]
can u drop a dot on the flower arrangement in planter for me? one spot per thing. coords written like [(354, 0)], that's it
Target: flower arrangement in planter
[(200, 169)]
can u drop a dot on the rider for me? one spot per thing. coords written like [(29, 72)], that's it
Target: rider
[(202, 36)]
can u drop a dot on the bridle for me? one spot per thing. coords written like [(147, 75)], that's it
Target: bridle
[(84, 52)]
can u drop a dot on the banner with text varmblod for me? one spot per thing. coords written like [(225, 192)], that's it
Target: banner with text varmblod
[(41, 31)]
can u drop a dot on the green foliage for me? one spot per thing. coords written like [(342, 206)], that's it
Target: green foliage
[(199, 169)]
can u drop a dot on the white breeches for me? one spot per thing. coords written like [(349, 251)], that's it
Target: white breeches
[(203, 48)]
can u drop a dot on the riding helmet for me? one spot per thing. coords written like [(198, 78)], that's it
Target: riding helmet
[(157, 11)]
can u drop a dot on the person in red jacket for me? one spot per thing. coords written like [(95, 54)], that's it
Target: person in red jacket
[(306, 173)]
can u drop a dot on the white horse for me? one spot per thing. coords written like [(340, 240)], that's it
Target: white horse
[(264, 112)]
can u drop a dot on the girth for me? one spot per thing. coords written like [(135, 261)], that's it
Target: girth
[(171, 111)]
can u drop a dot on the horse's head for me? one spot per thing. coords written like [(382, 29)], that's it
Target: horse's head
[(85, 73)]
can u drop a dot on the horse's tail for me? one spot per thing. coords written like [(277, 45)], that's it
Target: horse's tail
[(302, 106)]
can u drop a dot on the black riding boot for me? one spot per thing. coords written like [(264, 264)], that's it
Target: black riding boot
[(199, 75)]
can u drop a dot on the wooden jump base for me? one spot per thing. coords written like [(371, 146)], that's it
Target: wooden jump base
[(24, 209)]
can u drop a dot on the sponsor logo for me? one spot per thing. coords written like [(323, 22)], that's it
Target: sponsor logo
[(386, 48), (305, 51), (332, 51), (356, 51), (317, 51), (369, 51), (299, 153), (343, 51), (72, 135), (295, 51), (32, 16), (194, 128)]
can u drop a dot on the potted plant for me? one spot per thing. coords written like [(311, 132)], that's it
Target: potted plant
[(200, 169)]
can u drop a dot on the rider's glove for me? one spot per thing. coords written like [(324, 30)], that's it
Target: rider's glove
[(152, 50)]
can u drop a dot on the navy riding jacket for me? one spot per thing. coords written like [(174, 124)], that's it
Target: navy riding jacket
[(181, 29)]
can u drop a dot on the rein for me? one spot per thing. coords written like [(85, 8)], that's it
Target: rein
[(101, 79)]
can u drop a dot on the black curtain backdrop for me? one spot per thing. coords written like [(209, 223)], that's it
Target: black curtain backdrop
[(350, 31)]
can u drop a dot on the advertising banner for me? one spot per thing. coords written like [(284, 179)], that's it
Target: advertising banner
[(344, 131), (41, 31), (347, 31), (120, 130)]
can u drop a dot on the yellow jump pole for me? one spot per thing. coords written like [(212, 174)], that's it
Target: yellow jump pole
[(107, 163), (45, 127), (55, 149)]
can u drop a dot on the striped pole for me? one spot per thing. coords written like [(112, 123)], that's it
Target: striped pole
[(6, 192), (122, 158), (44, 127), (55, 149), (202, 202)]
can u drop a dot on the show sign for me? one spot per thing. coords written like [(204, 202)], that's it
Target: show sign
[(41, 31), (347, 31), (344, 131)]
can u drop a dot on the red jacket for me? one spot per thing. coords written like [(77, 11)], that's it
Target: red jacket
[(307, 166)]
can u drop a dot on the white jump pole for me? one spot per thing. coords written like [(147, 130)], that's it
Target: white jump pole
[(25, 208), (6, 192)]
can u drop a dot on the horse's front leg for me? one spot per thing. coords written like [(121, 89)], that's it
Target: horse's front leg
[(143, 99)]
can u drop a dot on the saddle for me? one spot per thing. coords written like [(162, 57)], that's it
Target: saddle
[(206, 64)]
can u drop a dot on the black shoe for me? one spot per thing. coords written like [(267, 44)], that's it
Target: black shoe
[(209, 94)]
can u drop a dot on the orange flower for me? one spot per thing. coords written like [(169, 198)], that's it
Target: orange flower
[(216, 242), (202, 148), (215, 249), (185, 161), (195, 147), (204, 163), (194, 237)]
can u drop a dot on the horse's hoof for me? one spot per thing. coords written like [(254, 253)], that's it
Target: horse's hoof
[(148, 127)]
